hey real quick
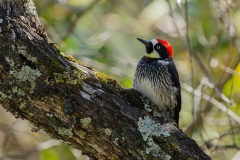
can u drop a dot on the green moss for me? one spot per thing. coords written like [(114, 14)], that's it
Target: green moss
[(85, 72), (71, 58), (174, 147), (53, 66), (106, 80), (69, 77), (65, 75)]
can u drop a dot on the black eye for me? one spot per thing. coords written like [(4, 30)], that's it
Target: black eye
[(158, 47)]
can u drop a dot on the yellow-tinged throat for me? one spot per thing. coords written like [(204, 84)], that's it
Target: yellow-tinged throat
[(154, 54)]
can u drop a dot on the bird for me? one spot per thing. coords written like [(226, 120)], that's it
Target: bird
[(156, 78)]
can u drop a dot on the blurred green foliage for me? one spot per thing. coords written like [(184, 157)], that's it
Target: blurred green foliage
[(103, 35), (57, 153)]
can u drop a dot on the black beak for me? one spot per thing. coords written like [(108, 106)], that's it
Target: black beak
[(148, 44)]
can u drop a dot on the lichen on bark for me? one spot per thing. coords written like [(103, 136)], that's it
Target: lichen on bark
[(73, 102)]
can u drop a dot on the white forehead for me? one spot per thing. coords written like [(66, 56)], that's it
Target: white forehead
[(154, 42)]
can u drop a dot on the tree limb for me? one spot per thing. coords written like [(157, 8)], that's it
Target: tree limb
[(75, 103)]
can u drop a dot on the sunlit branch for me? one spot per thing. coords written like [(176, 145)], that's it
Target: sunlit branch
[(211, 100)]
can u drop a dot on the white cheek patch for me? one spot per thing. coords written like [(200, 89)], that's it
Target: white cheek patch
[(154, 42)]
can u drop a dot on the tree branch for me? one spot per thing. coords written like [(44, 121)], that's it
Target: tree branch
[(75, 103)]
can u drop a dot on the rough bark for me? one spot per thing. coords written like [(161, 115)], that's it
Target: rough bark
[(75, 103)]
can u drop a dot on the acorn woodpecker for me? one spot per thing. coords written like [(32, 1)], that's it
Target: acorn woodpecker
[(156, 77)]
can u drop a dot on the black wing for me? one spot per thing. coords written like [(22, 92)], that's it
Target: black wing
[(176, 83)]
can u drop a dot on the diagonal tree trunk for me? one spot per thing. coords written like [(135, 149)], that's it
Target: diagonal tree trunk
[(75, 103)]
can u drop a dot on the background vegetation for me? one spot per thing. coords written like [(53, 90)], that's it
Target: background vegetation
[(205, 38)]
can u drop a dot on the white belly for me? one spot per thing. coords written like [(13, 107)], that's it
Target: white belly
[(160, 95)]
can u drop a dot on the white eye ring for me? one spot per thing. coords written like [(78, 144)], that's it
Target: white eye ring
[(158, 47)]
